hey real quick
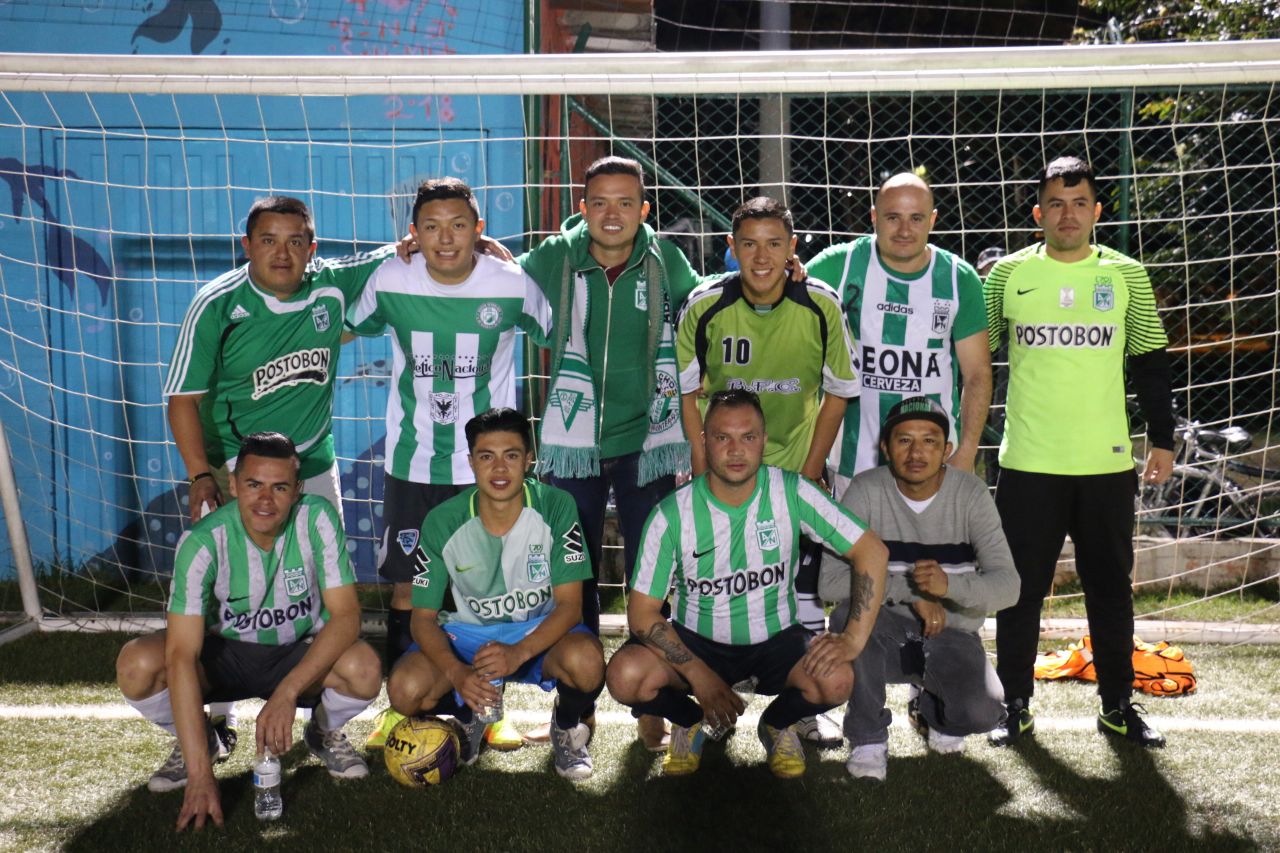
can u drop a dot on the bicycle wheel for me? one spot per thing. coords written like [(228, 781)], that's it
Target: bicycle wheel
[(1194, 503)]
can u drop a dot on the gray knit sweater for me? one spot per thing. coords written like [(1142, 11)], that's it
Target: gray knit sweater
[(960, 529)]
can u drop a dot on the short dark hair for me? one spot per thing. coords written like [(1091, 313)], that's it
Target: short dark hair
[(499, 420), (1071, 170), (268, 445), (285, 204), (732, 398), (441, 189), (614, 165), (763, 207)]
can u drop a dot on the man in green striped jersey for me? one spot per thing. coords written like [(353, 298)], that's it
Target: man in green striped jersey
[(258, 350), (263, 604), (725, 547), (1076, 313), (453, 316), (512, 551), (917, 315)]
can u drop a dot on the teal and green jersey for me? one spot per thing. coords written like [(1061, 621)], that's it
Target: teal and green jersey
[(274, 597), (730, 571), (789, 353), (507, 578), (1069, 328), (905, 326), (265, 363), (453, 356)]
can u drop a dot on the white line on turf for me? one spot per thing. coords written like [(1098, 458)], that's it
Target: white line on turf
[(247, 709)]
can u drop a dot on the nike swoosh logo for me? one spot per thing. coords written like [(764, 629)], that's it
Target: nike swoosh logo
[(1028, 290), (234, 600), (462, 569), (697, 555)]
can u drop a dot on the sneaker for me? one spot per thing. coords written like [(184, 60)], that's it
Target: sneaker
[(684, 753), (937, 741), (1126, 722), (386, 720), (869, 761), (1019, 722), (653, 733), (821, 729), (503, 735), (227, 738), (470, 737), (172, 775), (786, 753), (334, 750), (569, 746)]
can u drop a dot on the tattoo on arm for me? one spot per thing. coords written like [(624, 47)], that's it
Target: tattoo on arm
[(860, 595), (662, 637)]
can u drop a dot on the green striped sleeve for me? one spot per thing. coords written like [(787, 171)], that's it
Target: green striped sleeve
[(1143, 330), (350, 274), (993, 295), (824, 519), (971, 316), (194, 571), (329, 544), (659, 551)]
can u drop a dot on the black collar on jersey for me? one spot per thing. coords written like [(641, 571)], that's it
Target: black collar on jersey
[(731, 292)]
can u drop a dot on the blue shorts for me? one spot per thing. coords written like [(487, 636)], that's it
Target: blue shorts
[(466, 639)]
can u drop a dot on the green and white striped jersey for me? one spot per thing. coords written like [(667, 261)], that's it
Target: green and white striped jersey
[(905, 326), (264, 363), (453, 356), (267, 597), (508, 578), (731, 570)]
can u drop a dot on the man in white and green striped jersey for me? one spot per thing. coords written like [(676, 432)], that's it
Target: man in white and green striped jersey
[(263, 604), (725, 547)]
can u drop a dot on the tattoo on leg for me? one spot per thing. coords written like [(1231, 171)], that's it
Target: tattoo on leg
[(860, 594), (661, 637)]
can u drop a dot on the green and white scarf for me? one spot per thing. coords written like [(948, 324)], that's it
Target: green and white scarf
[(570, 441)]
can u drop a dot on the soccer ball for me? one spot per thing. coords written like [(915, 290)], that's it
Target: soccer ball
[(422, 751)]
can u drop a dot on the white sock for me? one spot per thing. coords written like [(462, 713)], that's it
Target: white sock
[(338, 709), (223, 709), (156, 709)]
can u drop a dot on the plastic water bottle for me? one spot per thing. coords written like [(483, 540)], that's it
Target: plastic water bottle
[(492, 713), (267, 803)]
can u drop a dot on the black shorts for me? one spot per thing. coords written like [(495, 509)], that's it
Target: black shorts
[(769, 662), (404, 506), (239, 670)]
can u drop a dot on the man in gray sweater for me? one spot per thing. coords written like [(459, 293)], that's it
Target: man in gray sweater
[(949, 566)]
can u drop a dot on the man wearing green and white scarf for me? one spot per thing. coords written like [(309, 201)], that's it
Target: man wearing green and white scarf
[(613, 409)]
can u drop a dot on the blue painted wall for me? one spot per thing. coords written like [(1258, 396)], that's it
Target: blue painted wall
[(106, 233)]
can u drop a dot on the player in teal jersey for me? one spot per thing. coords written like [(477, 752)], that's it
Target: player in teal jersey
[(1075, 313), (916, 313), (453, 316), (725, 547), (263, 604), (512, 551), (258, 350)]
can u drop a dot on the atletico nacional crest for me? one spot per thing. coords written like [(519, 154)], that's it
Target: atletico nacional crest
[(320, 317), (295, 581), (941, 317), (767, 535), (1104, 297), (538, 567)]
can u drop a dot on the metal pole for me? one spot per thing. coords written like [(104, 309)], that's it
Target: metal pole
[(17, 532), (775, 114)]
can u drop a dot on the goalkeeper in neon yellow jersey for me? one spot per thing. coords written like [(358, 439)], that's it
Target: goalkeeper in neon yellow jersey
[(512, 550)]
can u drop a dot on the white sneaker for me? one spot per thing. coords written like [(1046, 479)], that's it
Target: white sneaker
[(869, 761), (821, 730), (945, 744)]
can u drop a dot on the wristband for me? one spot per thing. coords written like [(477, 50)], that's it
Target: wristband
[(200, 476)]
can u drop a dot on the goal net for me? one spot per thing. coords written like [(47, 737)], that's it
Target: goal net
[(129, 179)]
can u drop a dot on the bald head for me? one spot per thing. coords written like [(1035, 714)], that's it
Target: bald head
[(902, 217), (904, 179)]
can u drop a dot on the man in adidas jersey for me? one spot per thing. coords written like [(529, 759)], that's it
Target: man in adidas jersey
[(258, 350), (949, 566), (1077, 314), (511, 549), (916, 312), (725, 547), (453, 316), (263, 604)]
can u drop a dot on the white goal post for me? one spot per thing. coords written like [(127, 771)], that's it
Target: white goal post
[(129, 177)]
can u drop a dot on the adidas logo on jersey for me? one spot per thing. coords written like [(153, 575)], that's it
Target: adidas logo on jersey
[(239, 313)]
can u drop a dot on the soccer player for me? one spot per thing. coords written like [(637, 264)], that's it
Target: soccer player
[(949, 565), (916, 311), (1075, 313), (725, 546), (453, 316), (512, 551), (263, 604), (612, 419)]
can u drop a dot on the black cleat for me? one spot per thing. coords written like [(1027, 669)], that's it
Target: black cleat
[(1126, 722), (1018, 722)]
